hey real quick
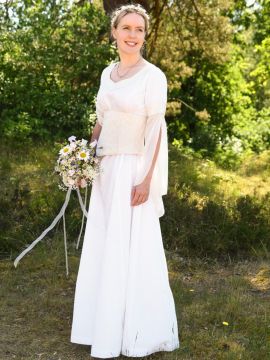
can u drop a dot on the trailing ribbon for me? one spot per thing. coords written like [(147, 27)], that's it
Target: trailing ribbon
[(84, 215), (61, 214)]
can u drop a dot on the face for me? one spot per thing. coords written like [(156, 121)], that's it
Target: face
[(130, 33)]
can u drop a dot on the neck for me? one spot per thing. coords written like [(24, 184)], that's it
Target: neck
[(129, 60)]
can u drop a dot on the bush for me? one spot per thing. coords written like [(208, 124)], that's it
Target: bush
[(50, 66)]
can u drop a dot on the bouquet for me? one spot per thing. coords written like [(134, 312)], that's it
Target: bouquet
[(77, 164), (78, 167)]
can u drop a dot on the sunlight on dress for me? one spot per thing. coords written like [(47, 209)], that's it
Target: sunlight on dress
[(123, 301)]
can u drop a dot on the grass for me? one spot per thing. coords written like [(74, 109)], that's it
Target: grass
[(37, 305), (222, 300), (209, 211), (30, 198), (204, 177)]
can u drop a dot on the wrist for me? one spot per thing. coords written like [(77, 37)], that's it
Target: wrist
[(147, 180)]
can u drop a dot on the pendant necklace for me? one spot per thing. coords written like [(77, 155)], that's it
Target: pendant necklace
[(121, 76)]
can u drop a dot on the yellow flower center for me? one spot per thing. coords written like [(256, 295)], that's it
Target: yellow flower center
[(83, 154), (65, 150)]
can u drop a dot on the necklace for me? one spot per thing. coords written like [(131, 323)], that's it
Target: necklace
[(121, 76)]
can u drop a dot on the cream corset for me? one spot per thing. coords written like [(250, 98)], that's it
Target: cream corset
[(122, 133)]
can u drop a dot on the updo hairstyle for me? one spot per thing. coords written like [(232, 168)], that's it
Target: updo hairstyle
[(123, 10)]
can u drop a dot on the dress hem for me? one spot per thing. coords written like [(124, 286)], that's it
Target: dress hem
[(80, 341), (128, 353)]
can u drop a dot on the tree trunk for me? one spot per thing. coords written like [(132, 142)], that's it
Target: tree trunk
[(110, 5)]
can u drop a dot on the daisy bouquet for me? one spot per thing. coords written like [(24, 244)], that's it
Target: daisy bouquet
[(77, 164)]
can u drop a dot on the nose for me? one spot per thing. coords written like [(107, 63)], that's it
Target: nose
[(132, 33)]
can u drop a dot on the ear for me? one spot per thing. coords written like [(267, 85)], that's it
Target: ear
[(113, 34)]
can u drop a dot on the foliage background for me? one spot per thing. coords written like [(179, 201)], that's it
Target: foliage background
[(215, 55)]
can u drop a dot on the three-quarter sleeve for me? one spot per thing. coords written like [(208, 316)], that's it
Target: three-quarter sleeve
[(155, 103), (99, 109), (156, 93)]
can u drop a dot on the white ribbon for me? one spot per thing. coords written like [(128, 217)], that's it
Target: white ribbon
[(84, 215), (61, 214)]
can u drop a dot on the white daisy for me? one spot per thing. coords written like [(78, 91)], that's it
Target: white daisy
[(83, 155), (65, 150)]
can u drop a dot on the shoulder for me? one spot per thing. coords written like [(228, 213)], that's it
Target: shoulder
[(155, 69), (155, 73), (156, 78), (107, 70), (109, 67)]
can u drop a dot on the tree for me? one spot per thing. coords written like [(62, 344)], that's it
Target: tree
[(110, 6), (50, 65)]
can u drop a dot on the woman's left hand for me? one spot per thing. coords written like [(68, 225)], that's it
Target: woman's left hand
[(140, 193)]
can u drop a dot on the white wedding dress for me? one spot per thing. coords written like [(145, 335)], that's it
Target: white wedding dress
[(123, 301)]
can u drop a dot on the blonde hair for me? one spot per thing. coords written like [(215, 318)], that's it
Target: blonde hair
[(123, 10)]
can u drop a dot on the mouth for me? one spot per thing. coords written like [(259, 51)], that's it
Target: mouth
[(131, 43)]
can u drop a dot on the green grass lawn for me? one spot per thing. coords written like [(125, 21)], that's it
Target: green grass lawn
[(210, 211), (216, 232), (37, 305)]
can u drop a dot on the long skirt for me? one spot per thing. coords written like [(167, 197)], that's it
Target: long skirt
[(123, 301)]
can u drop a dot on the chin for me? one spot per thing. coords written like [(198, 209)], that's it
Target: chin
[(133, 51)]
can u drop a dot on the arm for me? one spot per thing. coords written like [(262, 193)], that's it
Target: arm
[(94, 136), (155, 139), (151, 170), (96, 132), (99, 112), (140, 193)]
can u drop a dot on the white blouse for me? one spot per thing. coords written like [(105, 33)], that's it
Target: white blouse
[(131, 113)]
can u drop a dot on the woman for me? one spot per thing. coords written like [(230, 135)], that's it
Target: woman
[(123, 301)]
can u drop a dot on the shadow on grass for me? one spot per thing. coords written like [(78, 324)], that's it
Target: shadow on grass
[(199, 221), (219, 313)]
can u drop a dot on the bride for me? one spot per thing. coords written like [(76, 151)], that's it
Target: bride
[(123, 301)]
